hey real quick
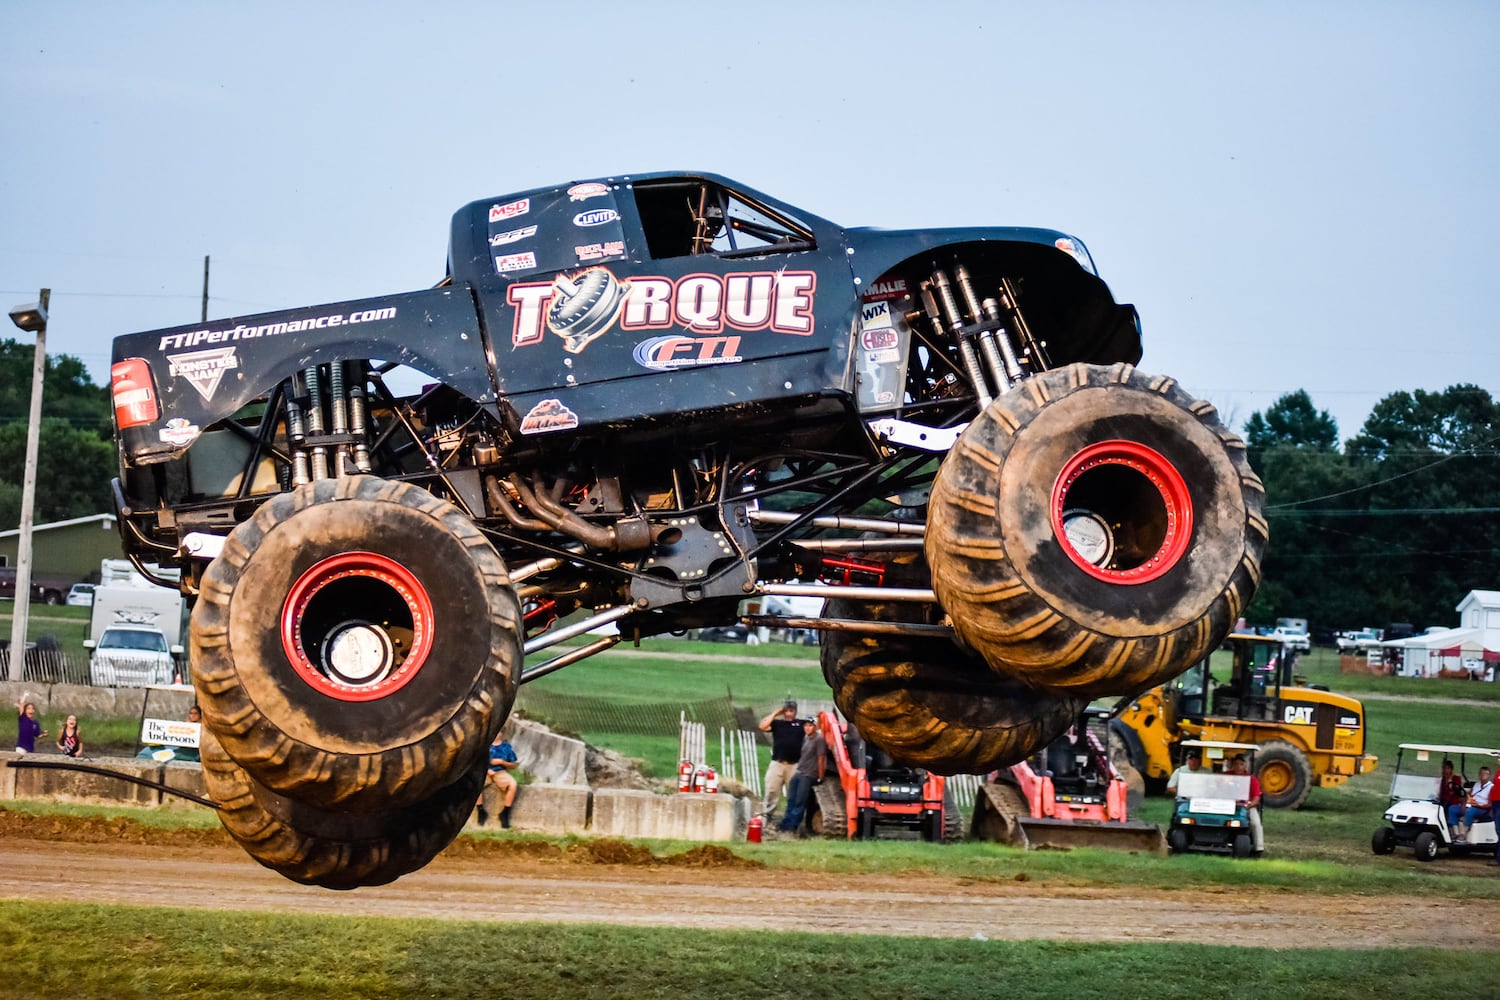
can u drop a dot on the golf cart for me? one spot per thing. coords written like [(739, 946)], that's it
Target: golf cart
[(1415, 818), (1210, 814)]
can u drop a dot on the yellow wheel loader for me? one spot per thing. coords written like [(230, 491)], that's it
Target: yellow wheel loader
[(1244, 693)]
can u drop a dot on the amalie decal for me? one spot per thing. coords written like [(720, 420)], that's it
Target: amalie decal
[(593, 300)]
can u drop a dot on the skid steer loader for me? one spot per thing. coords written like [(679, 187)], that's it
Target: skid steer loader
[(1069, 795)]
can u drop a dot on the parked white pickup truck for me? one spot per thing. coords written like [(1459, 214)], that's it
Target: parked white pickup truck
[(1292, 639), (1358, 641)]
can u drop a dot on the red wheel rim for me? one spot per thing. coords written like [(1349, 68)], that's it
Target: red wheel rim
[(1132, 493), (364, 602)]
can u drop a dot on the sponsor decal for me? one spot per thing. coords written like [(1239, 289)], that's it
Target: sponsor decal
[(879, 340), (677, 351), (1348, 721), (778, 301), (886, 396), (581, 192), (886, 291), (243, 332), (548, 415), (514, 236), (1300, 715), (204, 369), (600, 251), (510, 210), (515, 262), (178, 432), (597, 217)]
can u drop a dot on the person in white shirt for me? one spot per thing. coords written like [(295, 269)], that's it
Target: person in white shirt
[(1477, 805)]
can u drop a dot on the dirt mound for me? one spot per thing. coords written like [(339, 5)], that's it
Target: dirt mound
[(711, 856), (103, 830), (608, 769)]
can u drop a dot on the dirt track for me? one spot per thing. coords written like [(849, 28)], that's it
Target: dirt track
[(607, 882)]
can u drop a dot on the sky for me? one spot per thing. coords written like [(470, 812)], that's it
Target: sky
[(1294, 195)]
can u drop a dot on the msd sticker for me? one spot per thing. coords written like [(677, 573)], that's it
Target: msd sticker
[(548, 415), (510, 210)]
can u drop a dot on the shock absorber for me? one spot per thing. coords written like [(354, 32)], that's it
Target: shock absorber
[(357, 419), (296, 430), (999, 352), (315, 421), (955, 323)]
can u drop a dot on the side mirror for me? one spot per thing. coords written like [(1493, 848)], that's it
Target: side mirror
[(89, 644), (176, 650)]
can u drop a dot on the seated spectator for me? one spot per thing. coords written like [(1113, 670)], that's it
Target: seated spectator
[(71, 740), (1194, 760), (502, 760), (1451, 794), (1252, 805), (1477, 805)]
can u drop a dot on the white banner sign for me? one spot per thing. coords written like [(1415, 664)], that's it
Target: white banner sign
[(170, 733)]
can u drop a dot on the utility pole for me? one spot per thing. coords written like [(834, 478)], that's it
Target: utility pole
[(204, 317), (22, 606)]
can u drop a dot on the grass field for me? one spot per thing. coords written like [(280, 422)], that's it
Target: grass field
[(122, 953), (113, 951)]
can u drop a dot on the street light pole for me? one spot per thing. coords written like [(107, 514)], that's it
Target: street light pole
[(32, 319)]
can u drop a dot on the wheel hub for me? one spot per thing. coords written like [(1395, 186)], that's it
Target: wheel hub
[(1122, 512), (357, 626)]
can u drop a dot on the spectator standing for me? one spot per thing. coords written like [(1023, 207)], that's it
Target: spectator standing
[(28, 729), (809, 772), (70, 742), (1252, 805), (786, 749)]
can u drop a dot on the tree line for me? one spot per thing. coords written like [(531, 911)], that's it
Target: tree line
[(1396, 524)]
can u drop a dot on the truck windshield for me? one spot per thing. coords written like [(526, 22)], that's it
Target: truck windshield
[(153, 642)]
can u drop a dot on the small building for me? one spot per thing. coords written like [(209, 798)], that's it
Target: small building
[(71, 549), (1471, 649)]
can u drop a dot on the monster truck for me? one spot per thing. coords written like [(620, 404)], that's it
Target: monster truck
[(640, 401)]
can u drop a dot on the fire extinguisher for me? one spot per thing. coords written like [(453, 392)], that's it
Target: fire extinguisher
[(753, 833), (700, 775), (685, 776), (711, 781)]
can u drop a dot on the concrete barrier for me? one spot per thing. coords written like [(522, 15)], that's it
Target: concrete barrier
[(184, 776), (546, 756), (624, 812), (543, 808), (8, 774), (79, 786), (97, 702)]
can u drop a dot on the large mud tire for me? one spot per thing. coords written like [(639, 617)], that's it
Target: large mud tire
[(1162, 551), (332, 849), (414, 575), (1285, 775), (930, 704)]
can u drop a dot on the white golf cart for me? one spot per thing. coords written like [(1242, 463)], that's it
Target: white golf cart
[(1415, 817)]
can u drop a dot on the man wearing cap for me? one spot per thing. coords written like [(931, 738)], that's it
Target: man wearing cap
[(1193, 761), (786, 748)]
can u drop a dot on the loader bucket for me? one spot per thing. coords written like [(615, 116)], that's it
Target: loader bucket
[(1001, 816), (1065, 833), (998, 811)]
